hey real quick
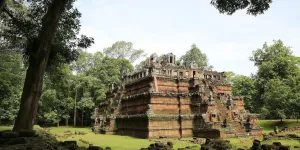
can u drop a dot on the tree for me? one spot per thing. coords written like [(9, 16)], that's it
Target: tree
[(83, 63), (276, 80), (11, 79), (274, 61), (109, 70), (33, 30), (85, 103), (37, 64), (124, 50), (50, 106), (229, 76), (39, 48), (244, 86), (195, 55), (277, 98), (254, 7), (59, 80)]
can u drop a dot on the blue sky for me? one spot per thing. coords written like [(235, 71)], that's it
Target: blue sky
[(164, 26)]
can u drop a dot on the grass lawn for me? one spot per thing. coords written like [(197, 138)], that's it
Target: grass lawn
[(117, 142), (268, 124)]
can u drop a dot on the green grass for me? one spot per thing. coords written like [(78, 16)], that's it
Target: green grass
[(5, 128), (246, 143), (117, 142), (268, 124), (10, 127)]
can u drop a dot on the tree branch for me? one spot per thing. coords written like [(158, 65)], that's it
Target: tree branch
[(19, 24)]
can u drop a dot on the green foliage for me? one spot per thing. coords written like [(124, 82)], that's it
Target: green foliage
[(254, 7), (229, 76), (85, 103), (195, 55), (23, 22), (124, 50), (93, 74), (52, 116), (275, 61), (244, 86), (274, 90), (276, 79), (276, 97), (11, 82)]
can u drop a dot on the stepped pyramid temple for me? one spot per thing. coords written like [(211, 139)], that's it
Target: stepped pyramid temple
[(166, 100)]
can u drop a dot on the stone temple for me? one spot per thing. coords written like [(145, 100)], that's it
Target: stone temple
[(167, 100)]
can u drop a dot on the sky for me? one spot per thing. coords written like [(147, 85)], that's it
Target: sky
[(165, 26)]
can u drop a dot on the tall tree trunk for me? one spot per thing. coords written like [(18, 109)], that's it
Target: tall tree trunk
[(2, 3), (82, 113), (67, 122), (75, 107), (39, 55)]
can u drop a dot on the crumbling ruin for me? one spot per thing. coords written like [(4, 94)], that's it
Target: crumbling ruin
[(167, 100)]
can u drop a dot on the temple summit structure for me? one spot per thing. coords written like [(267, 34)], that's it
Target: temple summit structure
[(166, 100)]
